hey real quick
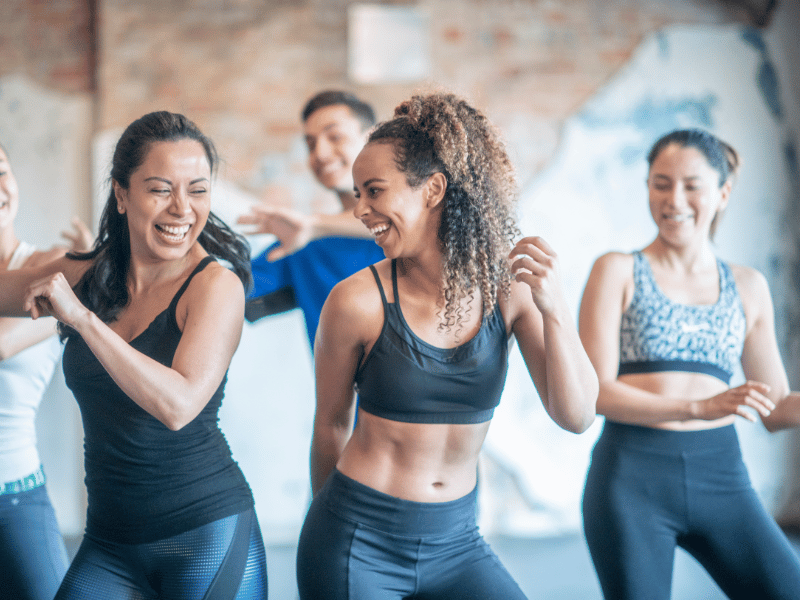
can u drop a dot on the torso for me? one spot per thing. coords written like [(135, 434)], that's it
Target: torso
[(24, 377), (144, 481), (420, 461), (690, 334)]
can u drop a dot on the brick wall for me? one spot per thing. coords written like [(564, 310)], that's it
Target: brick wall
[(50, 41), (243, 68)]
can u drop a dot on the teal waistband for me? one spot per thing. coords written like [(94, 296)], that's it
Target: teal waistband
[(32, 481)]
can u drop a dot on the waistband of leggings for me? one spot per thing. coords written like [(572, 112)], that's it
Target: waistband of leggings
[(26, 484), (667, 441), (359, 503)]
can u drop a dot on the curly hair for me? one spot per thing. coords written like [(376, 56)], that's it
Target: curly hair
[(104, 286), (442, 133)]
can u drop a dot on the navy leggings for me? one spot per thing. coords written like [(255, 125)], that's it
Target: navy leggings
[(33, 558), (360, 544), (650, 490), (223, 560)]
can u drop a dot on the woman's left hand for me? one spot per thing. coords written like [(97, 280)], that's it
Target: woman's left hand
[(53, 296), (535, 263)]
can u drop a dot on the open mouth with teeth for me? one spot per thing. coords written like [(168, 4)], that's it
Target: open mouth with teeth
[(173, 234), (680, 218), (379, 230)]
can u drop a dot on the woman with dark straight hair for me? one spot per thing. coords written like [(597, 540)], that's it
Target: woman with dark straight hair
[(151, 321)]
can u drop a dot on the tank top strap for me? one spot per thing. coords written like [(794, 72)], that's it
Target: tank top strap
[(22, 253), (380, 285), (200, 266)]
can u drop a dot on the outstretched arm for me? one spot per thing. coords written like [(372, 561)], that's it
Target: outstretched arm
[(607, 292), (211, 313), (295, 230), (548, 339)]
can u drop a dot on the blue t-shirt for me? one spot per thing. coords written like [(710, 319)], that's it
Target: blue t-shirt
[(304, 279)]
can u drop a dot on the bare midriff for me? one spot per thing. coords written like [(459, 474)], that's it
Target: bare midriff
[(678, 384), (414, 461)]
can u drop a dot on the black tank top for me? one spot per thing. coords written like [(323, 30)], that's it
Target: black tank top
[(406, 379), (144, 481)]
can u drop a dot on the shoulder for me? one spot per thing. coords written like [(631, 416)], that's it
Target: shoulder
[(617, 265), (357, 295), (215, 284), (752, 285)]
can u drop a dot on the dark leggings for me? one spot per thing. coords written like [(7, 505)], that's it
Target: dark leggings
[(360, 544), (223, 560), (33, 558), (650, 490)]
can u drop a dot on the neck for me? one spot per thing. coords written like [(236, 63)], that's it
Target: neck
[(686, 258), (424, 273), (144, 274)]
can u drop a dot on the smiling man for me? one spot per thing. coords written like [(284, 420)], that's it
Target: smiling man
[(314, 252)]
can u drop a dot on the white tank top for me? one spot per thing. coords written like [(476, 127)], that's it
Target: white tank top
[(23, 380)]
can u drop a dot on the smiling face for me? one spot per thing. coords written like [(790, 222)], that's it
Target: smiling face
[(685, 195), (9, 193), (334, 137), (168, 200), (404, 220)]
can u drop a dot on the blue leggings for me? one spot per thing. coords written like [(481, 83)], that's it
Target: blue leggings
[(33, 558), (650, 490), (360, 544), (223, 560)]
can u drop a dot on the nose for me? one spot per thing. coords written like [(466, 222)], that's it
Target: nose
[(180, 204), (322, 150), (361, 208)]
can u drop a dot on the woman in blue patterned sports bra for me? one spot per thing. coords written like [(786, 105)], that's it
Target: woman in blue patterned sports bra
[(665, 328), (423, 337)]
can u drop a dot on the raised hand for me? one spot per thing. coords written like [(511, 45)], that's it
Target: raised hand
[(293, 229), (535, 263), (81, 238)]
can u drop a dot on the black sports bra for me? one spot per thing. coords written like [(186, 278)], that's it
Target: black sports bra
[(406, 379)]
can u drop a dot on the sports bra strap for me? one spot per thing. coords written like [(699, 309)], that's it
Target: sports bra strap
[(394, 281), (200, 266), (380, 286)]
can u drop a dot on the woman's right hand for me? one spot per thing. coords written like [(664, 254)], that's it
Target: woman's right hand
[(53, 296), (733, 401)]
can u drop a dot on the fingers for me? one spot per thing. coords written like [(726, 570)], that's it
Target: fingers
[(752, 395), (277, 254)]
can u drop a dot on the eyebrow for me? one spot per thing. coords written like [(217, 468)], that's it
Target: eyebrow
[(373, 180), (155, 178)]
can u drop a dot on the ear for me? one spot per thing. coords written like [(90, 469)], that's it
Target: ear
[(121, 194), (435, 188), (725, 194)]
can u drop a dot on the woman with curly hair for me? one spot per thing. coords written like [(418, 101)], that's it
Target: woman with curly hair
[(151, 321), (423, 338)]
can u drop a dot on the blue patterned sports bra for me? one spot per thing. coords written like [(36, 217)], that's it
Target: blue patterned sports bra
[(657, 334)]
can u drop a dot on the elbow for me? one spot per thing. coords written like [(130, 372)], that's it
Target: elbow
[(177, 419), (579, 423)]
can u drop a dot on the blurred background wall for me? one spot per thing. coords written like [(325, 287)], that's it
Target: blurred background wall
[(579, 88)]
